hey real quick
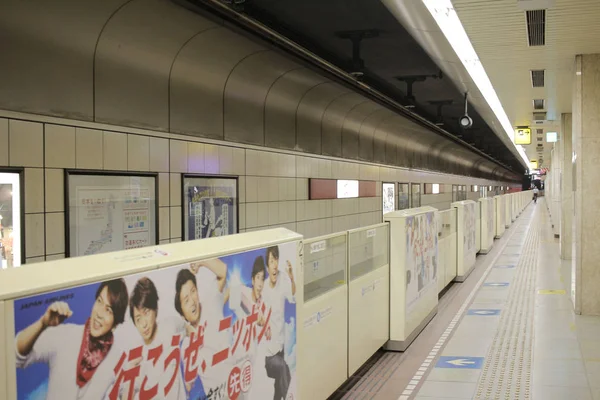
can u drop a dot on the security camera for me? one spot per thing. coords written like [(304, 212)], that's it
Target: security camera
[(466, 122)]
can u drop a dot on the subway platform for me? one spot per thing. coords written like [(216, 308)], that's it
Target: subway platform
[(508, 332)]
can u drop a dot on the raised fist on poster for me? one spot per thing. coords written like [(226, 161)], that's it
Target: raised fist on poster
[(56, 313)]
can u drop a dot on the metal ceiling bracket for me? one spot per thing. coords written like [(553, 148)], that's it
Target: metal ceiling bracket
[(356, 37)]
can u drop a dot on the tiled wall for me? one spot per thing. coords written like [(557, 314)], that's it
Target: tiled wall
[(273, 186)]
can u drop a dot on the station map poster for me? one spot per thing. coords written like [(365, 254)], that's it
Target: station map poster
[(421, 256), (389, 198), (110, 213), (210, 208), (217, 329)]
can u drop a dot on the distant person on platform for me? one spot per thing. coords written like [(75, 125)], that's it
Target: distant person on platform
[(535, 194)]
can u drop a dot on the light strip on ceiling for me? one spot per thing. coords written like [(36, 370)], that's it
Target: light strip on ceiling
[(445, 16)]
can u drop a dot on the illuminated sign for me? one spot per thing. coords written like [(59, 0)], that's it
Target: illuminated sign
[(551, 137), (347, 189), (435, 188), (523, 136), (534, 164)]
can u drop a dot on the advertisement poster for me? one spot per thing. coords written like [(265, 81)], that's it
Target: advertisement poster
[(389, 198), (210, 207), (469, 233), (110, 213), (217, 329), (421, 256)]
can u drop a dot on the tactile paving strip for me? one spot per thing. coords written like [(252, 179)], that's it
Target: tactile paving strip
[(507, 370)]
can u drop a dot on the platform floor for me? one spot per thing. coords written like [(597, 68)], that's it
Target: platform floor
[(508, 332)]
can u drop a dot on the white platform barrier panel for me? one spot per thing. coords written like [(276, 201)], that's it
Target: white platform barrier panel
[(487, 224), (369, 293), (446, 248), (413, 273), (500, 223), (181, 321), (323, 362), (507, 207), (478, 231), (466, 253)]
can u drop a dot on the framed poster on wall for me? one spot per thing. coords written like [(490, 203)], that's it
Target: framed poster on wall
[(109, 211), (12, 243), (389, 197), (210, 206)]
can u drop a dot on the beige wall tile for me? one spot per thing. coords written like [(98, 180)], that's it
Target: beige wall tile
[(34, 190), (178, 156), (175, 185), (26, 143), (159, 154), (242, 189), (242, 217), (196, 158), (3, 142), (55, 257), (226, 166), (211, 160), (239, 161), (251, 215), (55, 190), (164, 226), (138, 153), (252, 189), (59, 145), (89, 144), (55, 233), (164, 189), (175, 222), (34, 260), (34, 235), (115, 151)]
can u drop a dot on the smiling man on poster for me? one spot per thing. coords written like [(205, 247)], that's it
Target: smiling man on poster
[(80, 357)]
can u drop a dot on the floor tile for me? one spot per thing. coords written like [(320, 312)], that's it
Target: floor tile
[(453, 389), (560, 393)]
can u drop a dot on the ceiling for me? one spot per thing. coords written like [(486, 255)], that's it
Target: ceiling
[(317, 25), (498, 31)]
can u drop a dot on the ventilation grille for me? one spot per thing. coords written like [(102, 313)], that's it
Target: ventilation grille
[(536, 27), (539, 116), (538, 104), (539, 131), (537, 78)]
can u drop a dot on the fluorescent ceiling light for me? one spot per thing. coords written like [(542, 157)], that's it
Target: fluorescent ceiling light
[(444, 14), (551, 137)]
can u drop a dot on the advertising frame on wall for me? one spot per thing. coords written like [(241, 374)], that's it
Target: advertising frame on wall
[(388, 203), (72, 215), (210, 183), (21, 203)]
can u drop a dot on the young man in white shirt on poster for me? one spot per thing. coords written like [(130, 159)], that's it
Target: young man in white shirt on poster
[(158, 377), (202, 308), (278, 289), (80, 358)]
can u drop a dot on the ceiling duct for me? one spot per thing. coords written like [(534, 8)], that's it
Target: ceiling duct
[(539, 131), (538, 78), (538, 104), (536, 27)]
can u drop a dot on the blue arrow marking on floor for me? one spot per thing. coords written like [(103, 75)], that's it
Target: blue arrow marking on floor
[(483, 313), (504, 266), (496, 284), (460, 362)]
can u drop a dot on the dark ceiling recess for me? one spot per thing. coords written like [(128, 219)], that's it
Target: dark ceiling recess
[(536, 27), (365, 40), (538, 104), (538, 78)]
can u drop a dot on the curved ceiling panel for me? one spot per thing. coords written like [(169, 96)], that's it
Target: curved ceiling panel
[(351, 127), (47, 52), (198, 82), (310, 114), (333, 121), (246, 91), (133, 61), (367, 133), (281, 105)]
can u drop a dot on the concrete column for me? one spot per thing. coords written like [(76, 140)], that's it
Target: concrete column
[(566, 193), (556, 186), (586, 146)]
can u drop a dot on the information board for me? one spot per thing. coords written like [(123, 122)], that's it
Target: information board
[(110, 212)]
